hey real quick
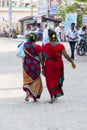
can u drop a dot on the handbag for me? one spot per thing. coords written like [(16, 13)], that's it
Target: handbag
[(20, 50)]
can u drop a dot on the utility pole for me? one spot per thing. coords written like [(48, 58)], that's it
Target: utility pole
[(10, 14), (31, 6), (63, 10)]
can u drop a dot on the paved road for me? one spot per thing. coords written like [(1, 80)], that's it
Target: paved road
[(68, 113)]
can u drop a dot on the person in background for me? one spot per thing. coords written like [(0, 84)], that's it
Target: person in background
[(53, 66), (58, 32), (32, 83), (27, 31), (73, 36), (82, 32), (7, 31), (45, 35), (39, 31)]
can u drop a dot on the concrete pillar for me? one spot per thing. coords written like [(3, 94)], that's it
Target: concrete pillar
[(10, 14)]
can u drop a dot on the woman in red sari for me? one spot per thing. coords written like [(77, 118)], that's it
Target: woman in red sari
[(32, 83), (53, 67)]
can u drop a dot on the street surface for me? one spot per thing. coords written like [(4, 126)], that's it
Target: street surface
[(67, 113)]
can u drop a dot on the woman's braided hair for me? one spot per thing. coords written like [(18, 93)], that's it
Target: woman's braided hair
[(52, 35)]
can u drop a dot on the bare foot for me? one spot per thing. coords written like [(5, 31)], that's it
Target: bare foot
[(27, 96), (35, 100), (53, 99)]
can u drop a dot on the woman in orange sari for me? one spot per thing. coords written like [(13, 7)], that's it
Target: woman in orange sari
[(53, 66), (32, 83)]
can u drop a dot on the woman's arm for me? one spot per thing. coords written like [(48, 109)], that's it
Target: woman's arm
[(65, 54), (41, 58), (42, 63)]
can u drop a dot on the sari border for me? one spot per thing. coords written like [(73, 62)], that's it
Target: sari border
[(26, 88), (35, 57), (34, 80)]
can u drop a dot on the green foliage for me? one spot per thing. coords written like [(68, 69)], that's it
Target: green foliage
[(76, 8), (79, 19), (62, 12), (72, 8), (81, 0)]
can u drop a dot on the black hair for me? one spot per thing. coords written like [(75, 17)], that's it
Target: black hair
[(84, 28), (52, 34), (32, 37), (72, 24)]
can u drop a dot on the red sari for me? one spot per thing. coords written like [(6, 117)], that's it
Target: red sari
[(54, 68)]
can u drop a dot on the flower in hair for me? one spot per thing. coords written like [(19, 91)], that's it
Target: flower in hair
[(31, 35), (53, 36)]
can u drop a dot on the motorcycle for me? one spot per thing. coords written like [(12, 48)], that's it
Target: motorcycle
[(81, 47)]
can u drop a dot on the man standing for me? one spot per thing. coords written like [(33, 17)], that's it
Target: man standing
[(82, 32), (58, 32), (45, 35), (72, 35)]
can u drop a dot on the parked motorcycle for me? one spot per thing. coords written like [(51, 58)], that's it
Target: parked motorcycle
[(81, 47)]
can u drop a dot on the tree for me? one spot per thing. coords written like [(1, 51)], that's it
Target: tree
[(81, 1), (78, 8)]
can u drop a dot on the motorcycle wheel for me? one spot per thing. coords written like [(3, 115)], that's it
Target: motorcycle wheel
[(77, 49), (81, 51)]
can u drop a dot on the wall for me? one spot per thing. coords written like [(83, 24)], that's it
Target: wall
[(16, 15)]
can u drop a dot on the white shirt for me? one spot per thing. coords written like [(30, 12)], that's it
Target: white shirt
[(72, 35), (81, 32), (27, 32), (45, 37), (57, 30)]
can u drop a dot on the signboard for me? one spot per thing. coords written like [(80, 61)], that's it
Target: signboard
[(42, 10), (84, 19), (53, 6), (42, 7), (51, 24), (39, 19), (54, 9), (70, 18)]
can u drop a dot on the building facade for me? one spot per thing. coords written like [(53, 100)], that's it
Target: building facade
[(20, 8)]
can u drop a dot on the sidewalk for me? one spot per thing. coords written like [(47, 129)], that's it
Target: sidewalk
[(67, 113)]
